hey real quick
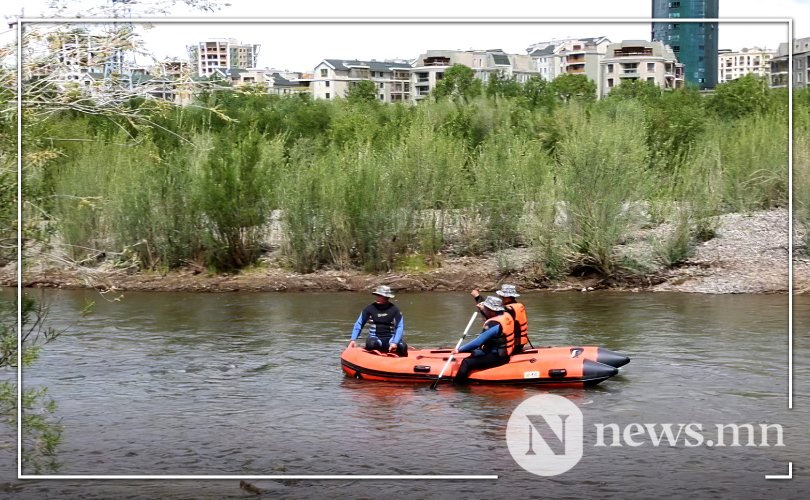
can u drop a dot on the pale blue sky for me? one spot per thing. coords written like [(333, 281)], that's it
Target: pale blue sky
[(301, 46)]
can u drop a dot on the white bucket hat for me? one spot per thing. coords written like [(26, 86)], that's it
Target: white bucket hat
[(508, 291), (384, 291), (493, 303)]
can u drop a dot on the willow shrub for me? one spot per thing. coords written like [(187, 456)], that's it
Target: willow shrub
[(235, 190), (304, 201), (801, 163), (754, 161), (509, 171), (602, 173), (428, 176), (86, 183), (156, 217)]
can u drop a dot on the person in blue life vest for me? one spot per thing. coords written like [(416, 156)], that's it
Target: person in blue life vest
[(516, 310), (494, 346), (386, 324)]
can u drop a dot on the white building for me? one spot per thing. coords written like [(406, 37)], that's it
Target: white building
[(732, 65), (571, 55), (334, 77), (640, 60), (220, 54), (429, 68)]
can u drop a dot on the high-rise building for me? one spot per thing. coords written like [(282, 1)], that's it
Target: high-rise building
[(221, 54), (694, 43)]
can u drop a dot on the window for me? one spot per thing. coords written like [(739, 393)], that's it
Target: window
[(610, 82), (324, 72), (327, 95), (382, 97), (382, 85), (676, 48), (326, 83), (610, 69), (674, 5), (651, 79), (650, 67)]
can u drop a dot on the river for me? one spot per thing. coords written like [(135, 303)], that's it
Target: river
[(250, 384)]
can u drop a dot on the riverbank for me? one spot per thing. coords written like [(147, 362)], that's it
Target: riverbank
[(749, 254)]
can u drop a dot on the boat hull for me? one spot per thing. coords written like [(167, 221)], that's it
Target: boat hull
[(547, 366)]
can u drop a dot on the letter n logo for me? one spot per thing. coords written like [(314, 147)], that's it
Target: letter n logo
[(544, 434), (555, 441)]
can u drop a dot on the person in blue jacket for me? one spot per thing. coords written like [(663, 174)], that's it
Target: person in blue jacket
[(494, 346), (386, 324)]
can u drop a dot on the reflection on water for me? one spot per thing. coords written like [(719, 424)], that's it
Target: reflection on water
[(250, 384)]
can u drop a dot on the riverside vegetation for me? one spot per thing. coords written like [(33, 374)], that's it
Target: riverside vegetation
[(542, 168), (367, 186)]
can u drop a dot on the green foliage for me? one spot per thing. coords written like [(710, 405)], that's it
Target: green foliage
[(458, 82), (537, 94), (602, 163), (635, 89), (501, 86), (741, 97), (569, 87), (363, 185), (362, 92), (235, 193), (801, 163), (676, 122), (677, 247), (41, 432)]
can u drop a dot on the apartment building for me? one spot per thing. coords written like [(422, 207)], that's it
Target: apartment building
[(780, 64), (334, 77), (429, 68), (733, 65), (640, 60), (172, 68), (214, 54), (74, 53), (577, 56)]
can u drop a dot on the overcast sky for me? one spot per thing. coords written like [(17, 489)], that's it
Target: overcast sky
[(302, 46)]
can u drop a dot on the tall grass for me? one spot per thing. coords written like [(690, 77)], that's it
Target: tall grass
[(602, 173), (754, 161), (369, 187), (801, 169)]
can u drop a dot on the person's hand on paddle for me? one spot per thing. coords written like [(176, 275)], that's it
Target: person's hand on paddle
[(352, 344), (454, 352), (475, 293), (392, 347)]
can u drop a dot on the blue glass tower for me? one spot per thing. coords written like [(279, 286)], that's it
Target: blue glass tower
[(694, 43)]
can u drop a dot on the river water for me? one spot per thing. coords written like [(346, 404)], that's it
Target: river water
[(250, 384)]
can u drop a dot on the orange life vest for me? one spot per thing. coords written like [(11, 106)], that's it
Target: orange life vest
[(518, 312), (506, 340)]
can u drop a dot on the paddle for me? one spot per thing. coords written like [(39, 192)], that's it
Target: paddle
[(450, 359)]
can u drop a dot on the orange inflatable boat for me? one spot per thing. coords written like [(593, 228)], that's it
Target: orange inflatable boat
[(546, 366)]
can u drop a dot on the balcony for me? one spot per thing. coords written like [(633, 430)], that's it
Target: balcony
[(642, 52)]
